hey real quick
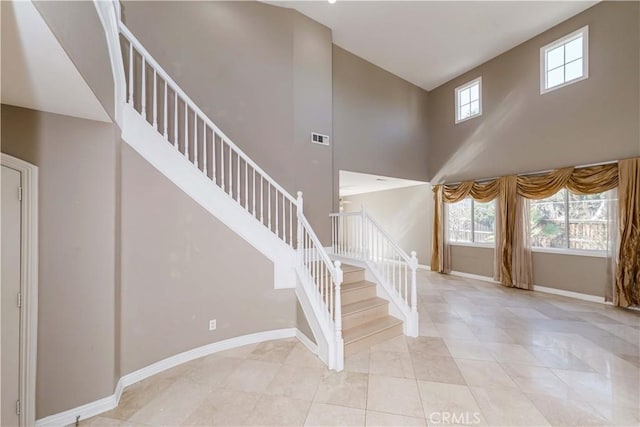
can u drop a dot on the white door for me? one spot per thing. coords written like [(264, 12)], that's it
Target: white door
[(10, 350)]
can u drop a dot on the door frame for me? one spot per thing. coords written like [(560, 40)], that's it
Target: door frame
[(28, 285)]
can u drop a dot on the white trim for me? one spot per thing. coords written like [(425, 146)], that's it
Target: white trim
[(584, 32), (473, 276), (570, 294), (424, 267), (574, 252), (472, 245), (459, 89), (306, 341), (536, 288), (28, 284), (97, 407)]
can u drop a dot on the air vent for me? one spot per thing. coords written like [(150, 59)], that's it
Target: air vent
[(318, 138)]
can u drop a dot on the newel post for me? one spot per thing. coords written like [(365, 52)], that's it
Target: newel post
[(414, 297), (299, 205)]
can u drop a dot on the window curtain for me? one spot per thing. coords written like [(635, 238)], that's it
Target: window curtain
[(613, 237), (627, 291), (513, 249)]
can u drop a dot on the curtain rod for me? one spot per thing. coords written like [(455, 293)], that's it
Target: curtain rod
[(480, 181)]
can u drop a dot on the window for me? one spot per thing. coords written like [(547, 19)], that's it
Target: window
[(570, 221), (471, 222), (565, 61), (469, 100)]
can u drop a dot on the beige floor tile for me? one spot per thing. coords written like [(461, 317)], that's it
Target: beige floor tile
[(375, 419), (456, 330), (481, 373), (513, 353), (252, 376), (391, 364), (173, 406), (561, 412), (507, 407), (537, 380), (343, 389), (430, 346), (272, 351), (137, 395), (322, 414), (238, 352), (396, 344), (436, 368), (475, 350), (617, 415), (296, 382), (101, 421), (223, 408), (279, 411), (301, 356), (358, 362), (486, 334), (394, 395), (213, 371), (455, 400)]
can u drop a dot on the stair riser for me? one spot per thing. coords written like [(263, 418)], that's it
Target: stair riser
[(376, 338), (353, 276), (357, 295), (364, 316)]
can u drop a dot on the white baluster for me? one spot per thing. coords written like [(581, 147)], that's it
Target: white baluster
[(276, 206), (164, 112), (186, 130), (175, 122), (213, 157), (230, 172), (284, 220), (261, 199), (253, 196), (222, 161), (299, 229), (155, 100), (238, 177), (290, 223), (338, 301), (195, 139), (414, 295), (269, 205), (246, 185), (131, 73), (204, 148), (144, 88)]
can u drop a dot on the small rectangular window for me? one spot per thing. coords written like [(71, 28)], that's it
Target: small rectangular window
[(565, 61), (571, 221), (469, 100), (469, 221)]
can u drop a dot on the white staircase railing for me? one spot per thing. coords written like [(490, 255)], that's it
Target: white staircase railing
[(356, 235), (164, 105), (323, 279), (153, 94)]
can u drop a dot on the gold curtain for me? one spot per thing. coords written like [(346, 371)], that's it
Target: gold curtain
[(512, 254), (480, 191), (627, 291)]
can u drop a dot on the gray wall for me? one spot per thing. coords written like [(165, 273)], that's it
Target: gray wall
[(520, 131), (77, 250), (379, 121), (78, 29), (404, 213), (262, 74), (182, 267)]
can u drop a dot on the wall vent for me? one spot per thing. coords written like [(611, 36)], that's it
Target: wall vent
[(318, 138)]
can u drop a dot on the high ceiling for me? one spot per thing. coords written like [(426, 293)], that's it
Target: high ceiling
[(36, 71), (430, 42), (358, 183)]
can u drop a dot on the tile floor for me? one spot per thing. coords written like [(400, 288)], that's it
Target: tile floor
[(487, 355)]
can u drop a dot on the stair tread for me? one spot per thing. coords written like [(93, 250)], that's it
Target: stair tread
[(362, 331), (359, 306), (348, 268), (356, 285)]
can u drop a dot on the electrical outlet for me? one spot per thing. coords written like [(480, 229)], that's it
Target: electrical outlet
[(212, 325)]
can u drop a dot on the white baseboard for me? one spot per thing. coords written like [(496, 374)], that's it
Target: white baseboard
[(306, 341), (424, 267), (473, 276), (105, 404), (537, 288), (577, 295)]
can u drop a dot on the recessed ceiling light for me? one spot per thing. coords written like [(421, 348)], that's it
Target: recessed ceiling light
[(332, 1)]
